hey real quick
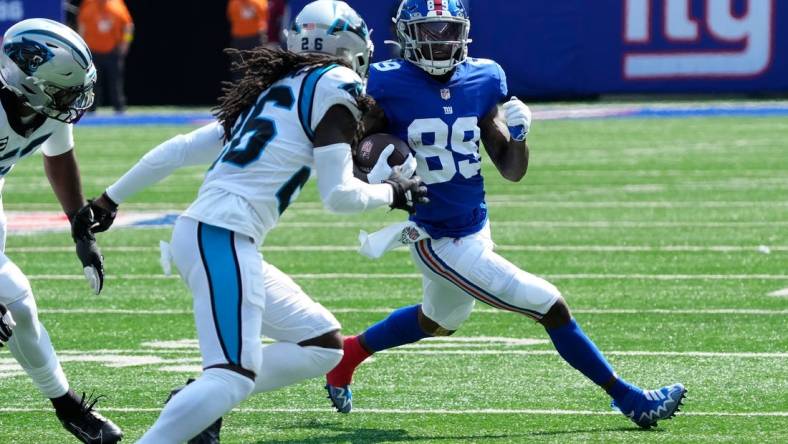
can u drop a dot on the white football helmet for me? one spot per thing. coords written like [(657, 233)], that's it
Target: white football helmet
[(334, 28), (50, 66)]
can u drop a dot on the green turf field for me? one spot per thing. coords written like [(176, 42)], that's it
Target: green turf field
[(651, 228)]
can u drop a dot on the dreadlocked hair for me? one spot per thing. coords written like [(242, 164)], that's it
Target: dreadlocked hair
[(258, 69)]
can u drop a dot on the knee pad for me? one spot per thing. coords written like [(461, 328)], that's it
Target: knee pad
[(13, 283), (449, 319), (325, 359), (235, 386), (24, 311), (527, 290)]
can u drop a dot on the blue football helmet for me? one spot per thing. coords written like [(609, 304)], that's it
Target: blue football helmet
[(433, 34)]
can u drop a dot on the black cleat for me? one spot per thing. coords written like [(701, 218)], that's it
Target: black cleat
[(207, 436), (89, 426)]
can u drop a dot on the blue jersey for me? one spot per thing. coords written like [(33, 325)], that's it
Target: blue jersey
[(440, 122)]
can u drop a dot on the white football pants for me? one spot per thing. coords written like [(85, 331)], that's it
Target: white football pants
[(238, 297), (457, 272), (30, 343)]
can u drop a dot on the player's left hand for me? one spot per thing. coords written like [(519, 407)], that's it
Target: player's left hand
[(518, 118), (382, 170), (7, 325), (88, 252)]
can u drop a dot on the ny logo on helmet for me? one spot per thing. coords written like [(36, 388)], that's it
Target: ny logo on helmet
[(28, 54)]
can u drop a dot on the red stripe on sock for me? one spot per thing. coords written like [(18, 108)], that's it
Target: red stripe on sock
[(354, 355)]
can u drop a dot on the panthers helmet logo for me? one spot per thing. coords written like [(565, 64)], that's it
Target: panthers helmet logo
[(28, 54)]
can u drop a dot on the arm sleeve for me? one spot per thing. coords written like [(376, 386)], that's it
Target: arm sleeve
[(61, 141), (339, 190), (338, 86), (200, 147)]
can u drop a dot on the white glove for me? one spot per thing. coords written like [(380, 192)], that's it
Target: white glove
[(518, 118), (382, 171)]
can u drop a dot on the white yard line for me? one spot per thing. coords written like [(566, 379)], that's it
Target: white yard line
[(502, 200), (520, 201), (780, 293), (384, 310), (380, 411), (565, 224), (361, 276), (470, 352), (535, 248), (688, 354), (581, 276)]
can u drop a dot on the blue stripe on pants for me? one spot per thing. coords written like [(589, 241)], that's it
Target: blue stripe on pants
[(217, 249)]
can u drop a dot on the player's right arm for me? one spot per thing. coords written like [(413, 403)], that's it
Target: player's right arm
[(504, 131), (199, 147), (339, 190)]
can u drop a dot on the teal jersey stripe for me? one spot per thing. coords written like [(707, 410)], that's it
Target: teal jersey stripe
[(224, 277), (306, 98)]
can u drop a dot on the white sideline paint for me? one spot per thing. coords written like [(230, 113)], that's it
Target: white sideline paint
[(780, 293), (374, 411), (360, 276), (538, 248), (383, 310)]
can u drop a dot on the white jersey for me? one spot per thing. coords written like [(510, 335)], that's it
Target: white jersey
[(269, 157), (52, 137)]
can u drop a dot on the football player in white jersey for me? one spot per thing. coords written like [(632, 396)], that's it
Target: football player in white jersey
[(291, 111), (47, 79)]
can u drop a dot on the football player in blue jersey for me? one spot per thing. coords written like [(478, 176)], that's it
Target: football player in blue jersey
[(444, 103)]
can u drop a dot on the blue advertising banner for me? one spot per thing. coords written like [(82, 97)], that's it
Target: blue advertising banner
[(12, 11), (581, 48)]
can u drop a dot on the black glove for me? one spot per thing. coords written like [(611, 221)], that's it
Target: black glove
[(407, 192), (82, 223), (87, 251), (104, 214), (6, 325)]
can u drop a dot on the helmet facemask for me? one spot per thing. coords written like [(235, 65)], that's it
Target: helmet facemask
[(68, 104), (436, 45)]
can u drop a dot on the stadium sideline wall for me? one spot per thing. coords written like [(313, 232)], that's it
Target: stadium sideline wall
[(549, 49), (582, 48)]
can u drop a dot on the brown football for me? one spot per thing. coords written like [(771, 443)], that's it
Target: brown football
[(368, 151)]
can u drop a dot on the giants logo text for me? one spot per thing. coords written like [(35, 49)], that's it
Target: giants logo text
[(741, 43)]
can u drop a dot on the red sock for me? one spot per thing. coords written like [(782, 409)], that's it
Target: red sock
[(354, 355)]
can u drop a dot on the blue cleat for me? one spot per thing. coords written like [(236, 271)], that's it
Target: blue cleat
[(341, 397), (649, 406)]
